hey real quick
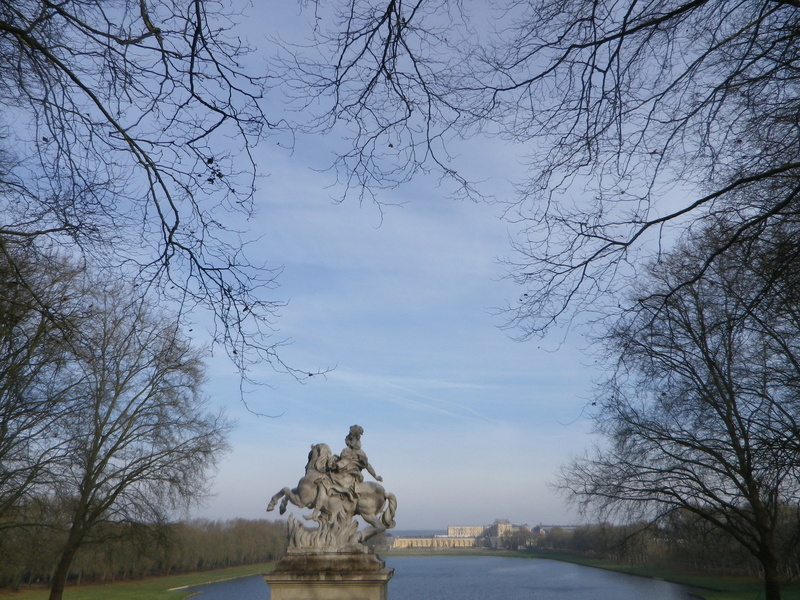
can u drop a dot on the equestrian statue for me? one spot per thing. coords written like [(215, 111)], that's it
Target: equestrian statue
[(334, 488)]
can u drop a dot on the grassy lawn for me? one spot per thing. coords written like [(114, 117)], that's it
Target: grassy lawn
[(156, 588)]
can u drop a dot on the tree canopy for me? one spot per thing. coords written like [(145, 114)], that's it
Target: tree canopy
[(126, 135), (138, 440), (102, 415), (702, 411), (638, 121), (33, 346)]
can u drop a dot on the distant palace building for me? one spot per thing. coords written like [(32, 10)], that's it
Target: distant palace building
[(418, 543), (466, 531), (462, 536)]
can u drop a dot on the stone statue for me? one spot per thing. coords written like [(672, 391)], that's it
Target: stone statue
[(345, 469), (334, 488)]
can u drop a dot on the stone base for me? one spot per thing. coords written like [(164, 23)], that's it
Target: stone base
[(329, 576)]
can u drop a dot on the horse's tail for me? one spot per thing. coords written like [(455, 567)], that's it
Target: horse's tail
[(387, 518)]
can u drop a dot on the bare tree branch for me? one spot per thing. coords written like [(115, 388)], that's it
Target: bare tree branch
[(638, 120), (128, 130)]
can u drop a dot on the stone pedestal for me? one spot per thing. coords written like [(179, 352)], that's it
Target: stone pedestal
[(329, 576)]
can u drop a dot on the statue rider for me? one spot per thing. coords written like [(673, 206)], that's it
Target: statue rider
[(345, 469)]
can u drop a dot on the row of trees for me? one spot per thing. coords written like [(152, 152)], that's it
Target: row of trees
[(684, 542), (102, 413), (127, 550), (126, 139), (126, 134)]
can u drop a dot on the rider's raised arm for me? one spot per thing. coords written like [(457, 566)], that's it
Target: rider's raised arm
[(371, 471)]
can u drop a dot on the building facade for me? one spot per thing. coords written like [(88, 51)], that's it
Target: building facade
[(462, 536), (431, 543), (466, 531)]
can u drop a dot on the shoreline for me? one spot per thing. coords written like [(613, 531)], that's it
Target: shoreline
[(167, 587), (706, 586), (191, 585)]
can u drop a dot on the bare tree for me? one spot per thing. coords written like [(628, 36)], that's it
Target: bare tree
[(138, 438), (702, 412), (127, 132), (33, 355), (634, 117)]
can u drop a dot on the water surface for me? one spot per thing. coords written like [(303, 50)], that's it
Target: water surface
[(484, 578), (501, 578)]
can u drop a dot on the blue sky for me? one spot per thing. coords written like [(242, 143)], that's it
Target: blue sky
[(465, 424)]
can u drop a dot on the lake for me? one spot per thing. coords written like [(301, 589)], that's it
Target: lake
[(485, 578)]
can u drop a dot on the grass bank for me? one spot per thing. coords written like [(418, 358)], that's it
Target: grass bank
[(710, 587), (154, 588)]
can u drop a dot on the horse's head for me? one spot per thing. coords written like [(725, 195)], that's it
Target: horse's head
[(318, 457)]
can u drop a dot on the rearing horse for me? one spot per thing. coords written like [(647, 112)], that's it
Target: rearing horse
[(305, 493), (331, 506)]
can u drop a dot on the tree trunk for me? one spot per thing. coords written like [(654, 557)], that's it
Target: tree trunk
[(772, 588), (61, 574)]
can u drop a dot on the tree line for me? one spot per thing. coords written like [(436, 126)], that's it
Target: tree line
[(120, 551), (684, 542)]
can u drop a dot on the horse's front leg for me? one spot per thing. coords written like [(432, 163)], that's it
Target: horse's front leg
[(274, 500), (294, 496)]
